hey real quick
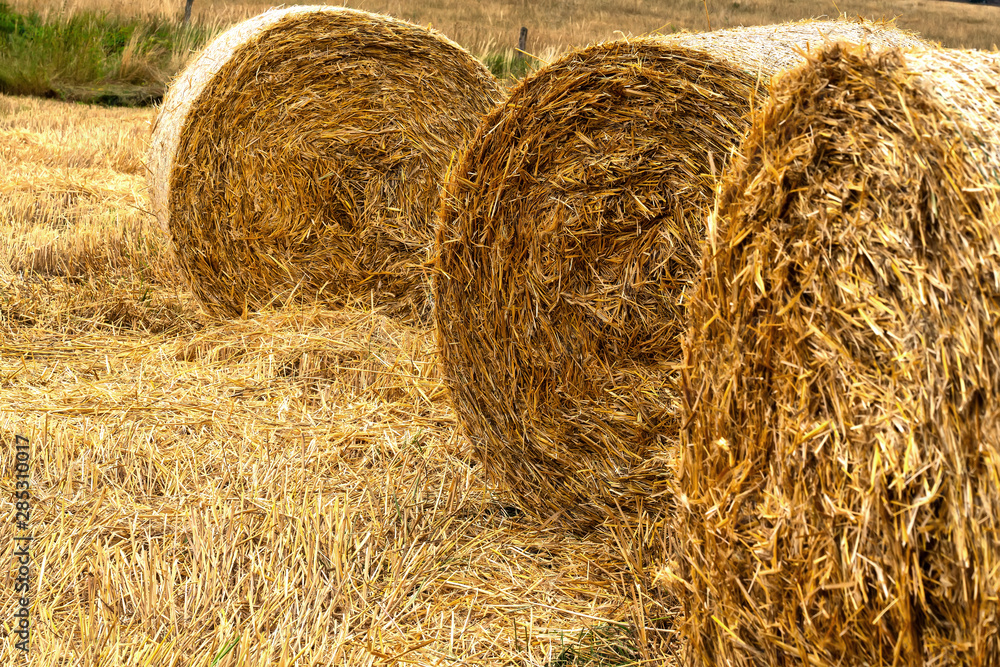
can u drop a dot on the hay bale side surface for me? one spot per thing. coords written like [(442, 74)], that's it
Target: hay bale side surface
[(301, 155), (569, 232), (840, 476)]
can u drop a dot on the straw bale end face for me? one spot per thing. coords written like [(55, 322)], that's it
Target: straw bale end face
[(570, 232), (300, 158), (568, 235), (840, 474)]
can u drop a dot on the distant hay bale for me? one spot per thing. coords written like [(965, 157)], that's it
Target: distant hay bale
[(569, 232), (840, 477), (300, 157)]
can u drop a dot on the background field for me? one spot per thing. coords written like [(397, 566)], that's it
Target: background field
[(118, 52), (554, 25), (290, 488)]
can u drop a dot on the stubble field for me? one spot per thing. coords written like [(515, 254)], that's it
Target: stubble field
[(290, 486)]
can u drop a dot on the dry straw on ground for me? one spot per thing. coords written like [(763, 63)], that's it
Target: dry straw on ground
[(287, 489), (300, 157), (71, 192), (841, 469), (570, 231)]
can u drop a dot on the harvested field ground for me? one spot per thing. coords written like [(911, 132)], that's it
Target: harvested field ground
[(290, 487)]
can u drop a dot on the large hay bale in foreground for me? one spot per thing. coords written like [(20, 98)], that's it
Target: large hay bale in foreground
[(840, 474), (301, 155), (570, 230)]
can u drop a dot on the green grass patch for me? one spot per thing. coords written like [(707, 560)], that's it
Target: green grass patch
[(509, 65), (93, 57), (608, 645), (104, 58)]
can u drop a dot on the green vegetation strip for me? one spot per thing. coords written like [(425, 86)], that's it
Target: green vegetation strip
[(92, 57), (114, 60)]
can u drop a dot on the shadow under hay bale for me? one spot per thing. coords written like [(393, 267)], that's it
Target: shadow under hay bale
[(300, 157), (841, 468), (569, 233)]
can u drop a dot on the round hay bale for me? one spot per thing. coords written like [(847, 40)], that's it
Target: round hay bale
[(569, 232), (300, 157), (838, 486)]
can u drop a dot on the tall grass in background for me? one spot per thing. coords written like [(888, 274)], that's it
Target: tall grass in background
[(93, 56)]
